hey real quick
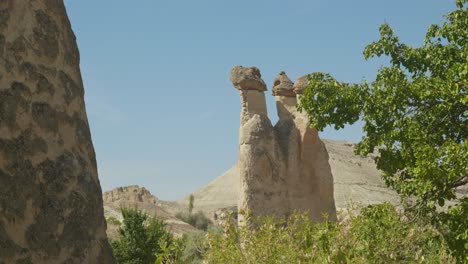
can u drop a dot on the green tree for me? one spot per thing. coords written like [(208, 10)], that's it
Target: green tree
[(140, 238), (191, 201), (415, 115)]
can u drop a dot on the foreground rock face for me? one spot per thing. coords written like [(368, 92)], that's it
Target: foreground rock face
[(50, 197), (284, 168)]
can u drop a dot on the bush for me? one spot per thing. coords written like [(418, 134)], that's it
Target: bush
[(376, 234), (197, 220), (379, 234), (194, 247), (142, 239)]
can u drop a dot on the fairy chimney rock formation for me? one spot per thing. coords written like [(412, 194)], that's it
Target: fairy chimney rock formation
[(300, 84), (284, 168), (51, 208), (248, 81), (285, 97), (283, 86)]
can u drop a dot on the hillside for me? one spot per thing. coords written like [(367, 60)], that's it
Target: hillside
[(356, 179), (139, 197)]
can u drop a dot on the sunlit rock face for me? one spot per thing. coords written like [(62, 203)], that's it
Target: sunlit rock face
[(282, 168), (50, 197)]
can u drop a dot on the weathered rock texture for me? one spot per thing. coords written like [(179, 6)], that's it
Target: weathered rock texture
[(284, 168), (50, 198), (131, 194)]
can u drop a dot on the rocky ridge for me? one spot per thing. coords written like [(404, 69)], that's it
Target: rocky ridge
[(139, 197)]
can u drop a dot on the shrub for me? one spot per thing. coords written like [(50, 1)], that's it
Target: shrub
[(379, 234), (141, 239), (194, 247)]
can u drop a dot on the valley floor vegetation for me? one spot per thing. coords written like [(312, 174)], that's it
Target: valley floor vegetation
[(198, 220), (372, 234)]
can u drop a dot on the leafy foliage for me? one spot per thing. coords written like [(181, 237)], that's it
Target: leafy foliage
[(415, 115), (376, 234), (379, 234), (141, 239)]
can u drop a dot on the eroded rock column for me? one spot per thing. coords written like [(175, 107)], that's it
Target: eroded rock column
[(316, 193), (282, 169), (262, 188), (51, 207), (289, 142)]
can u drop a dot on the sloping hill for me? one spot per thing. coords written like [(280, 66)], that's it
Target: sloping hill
[(219, 193), (356, 180)]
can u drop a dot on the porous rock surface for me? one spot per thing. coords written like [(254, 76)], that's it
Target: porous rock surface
[(283, 86), (51, 208), (247, 78), (282, 168), (300, 84)]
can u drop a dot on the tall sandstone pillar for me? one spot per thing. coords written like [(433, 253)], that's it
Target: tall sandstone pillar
[(315, 185), (282, 169), (50, 198), (261, 184)]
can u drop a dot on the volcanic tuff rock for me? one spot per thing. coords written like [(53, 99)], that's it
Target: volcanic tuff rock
[(300, 84), (50, 198), (282, 168), (247, 78), (283, 86)]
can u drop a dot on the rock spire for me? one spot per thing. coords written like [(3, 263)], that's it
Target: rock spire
[(282, 168)]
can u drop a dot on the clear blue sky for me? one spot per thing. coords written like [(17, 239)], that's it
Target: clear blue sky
[(162, 111)]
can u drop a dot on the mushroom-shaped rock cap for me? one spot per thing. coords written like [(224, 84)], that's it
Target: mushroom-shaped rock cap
[(282, 86), (247, 78), (301, 84)]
